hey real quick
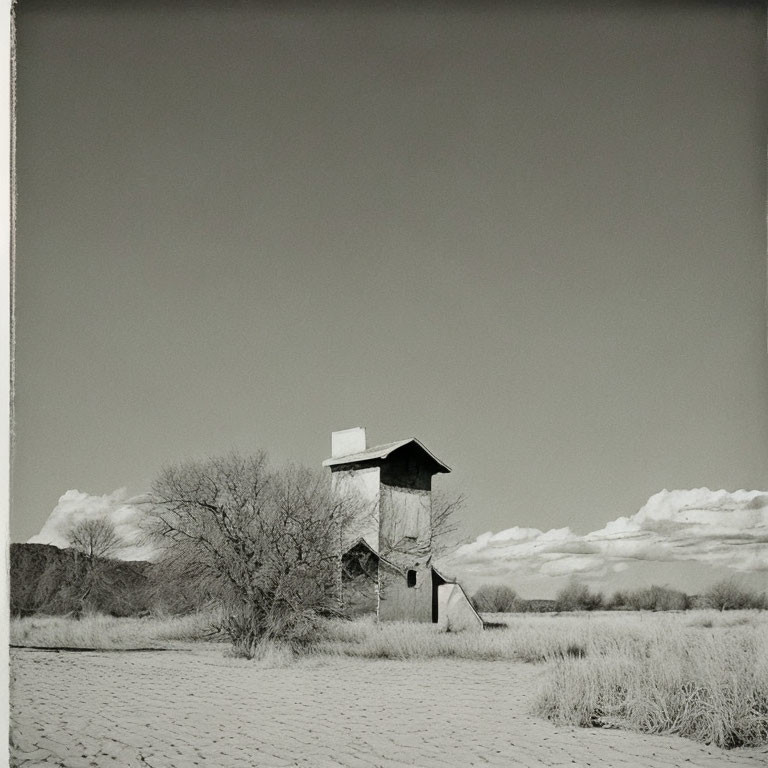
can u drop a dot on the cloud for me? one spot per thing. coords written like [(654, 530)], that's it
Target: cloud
[(75, 506), (718, 528)]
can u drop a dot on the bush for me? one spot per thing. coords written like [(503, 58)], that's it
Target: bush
[(730, 595), (495, 598), (617, 601), (265, 542), (654, 598), (578, 597)]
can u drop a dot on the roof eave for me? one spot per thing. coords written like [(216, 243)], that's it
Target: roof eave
[(361, 457)]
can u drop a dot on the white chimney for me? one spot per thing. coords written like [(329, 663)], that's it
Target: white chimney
[(347, 441)]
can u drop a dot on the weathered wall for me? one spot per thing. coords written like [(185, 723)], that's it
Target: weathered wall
[(405, 525), (398, 601), (361, 487)]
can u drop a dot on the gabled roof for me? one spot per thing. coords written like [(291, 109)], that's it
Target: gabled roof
[(382, 452)]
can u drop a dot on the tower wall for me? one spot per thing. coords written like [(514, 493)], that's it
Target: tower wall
[(405, 509), (405, 512), (360, 487)]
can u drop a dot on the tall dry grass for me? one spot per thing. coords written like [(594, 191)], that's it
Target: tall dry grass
[(530, 637), (109, 633), (704, 680)]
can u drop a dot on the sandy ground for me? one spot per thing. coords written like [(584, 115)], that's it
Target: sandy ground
[(194, 707)]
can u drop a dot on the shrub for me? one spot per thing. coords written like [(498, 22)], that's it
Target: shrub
[(578, 597), (666, 599), (266, 542), (654, 598), (617, 600), (495, 598)]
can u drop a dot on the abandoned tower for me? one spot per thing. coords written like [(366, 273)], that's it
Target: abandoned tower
[(387, 565)]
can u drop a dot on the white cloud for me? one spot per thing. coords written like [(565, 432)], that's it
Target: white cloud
[(718, 528), (123, 512)]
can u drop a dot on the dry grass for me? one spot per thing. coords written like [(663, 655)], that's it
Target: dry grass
[(530, 638), (109, 633), (706, 680)]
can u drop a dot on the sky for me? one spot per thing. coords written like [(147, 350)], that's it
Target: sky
[(532, 238)]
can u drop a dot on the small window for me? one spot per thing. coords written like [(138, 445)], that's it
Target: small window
[(411, 578)]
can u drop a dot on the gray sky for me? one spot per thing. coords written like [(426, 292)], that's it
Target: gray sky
[(533, 239)]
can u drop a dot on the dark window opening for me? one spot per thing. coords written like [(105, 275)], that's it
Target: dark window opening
[(411, 576)]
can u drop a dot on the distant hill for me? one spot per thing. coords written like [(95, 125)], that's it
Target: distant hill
[(46, 579), (49, 580)]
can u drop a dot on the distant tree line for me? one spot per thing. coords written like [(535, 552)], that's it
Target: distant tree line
[(728, 594)]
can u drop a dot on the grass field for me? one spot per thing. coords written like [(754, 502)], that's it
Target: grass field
[(700, 674)]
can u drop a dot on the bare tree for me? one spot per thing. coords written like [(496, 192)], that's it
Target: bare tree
[(729, 594), (441, 531), (267, 542), (94, 538), (445, 510)]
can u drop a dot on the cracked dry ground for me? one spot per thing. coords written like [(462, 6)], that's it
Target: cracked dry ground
[(195, 707)]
